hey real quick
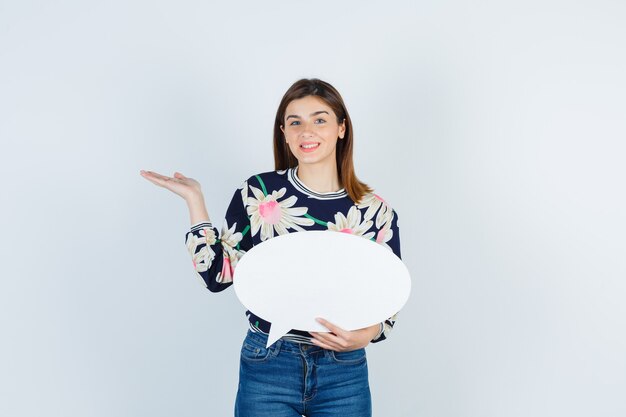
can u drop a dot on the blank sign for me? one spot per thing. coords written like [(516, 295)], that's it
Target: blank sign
[(291, 279)]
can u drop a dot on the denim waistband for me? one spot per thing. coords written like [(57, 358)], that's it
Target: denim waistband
[(281, 344)]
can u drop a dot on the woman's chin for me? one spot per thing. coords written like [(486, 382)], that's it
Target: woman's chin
[(314, 157), (308, 159)]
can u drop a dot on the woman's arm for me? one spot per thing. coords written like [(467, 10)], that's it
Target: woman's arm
[(197, 210), (392, 241), (215, 255)]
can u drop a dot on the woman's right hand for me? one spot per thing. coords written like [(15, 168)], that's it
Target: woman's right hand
[(186, 187)]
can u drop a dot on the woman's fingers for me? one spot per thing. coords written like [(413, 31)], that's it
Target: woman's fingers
[(324, 345), (178, 184), (155, 175), (177, 176), (328, 339), (159, 176), (158, 179), (332, 327)]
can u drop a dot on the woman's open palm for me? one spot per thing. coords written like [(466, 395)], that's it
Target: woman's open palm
[(179, 184)]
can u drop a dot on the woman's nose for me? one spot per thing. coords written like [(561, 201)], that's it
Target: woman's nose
[(306, 133), (307, 130)]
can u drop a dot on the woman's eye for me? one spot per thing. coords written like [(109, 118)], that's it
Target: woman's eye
[(295, 121)]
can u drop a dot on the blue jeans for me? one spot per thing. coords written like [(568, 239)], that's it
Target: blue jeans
[(294, 379)]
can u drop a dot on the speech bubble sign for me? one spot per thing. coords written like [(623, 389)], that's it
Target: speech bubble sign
[(291, 279)]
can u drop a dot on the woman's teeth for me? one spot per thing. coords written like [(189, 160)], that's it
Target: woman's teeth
[(310, 146)]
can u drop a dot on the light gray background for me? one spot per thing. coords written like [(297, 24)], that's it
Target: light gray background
[(495, 128)]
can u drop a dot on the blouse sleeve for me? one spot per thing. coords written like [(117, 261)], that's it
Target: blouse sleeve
[(214, 256), (391, 239)]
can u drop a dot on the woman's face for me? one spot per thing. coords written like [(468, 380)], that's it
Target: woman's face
[(311, 130)]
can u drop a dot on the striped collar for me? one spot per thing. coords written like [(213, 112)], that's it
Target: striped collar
[(299, 185)]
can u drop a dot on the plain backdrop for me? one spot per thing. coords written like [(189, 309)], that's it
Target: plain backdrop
[(496, 129)]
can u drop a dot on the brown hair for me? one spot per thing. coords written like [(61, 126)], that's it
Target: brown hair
[(283, 158)]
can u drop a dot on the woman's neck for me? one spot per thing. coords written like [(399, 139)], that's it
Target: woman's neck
[(320, 177)]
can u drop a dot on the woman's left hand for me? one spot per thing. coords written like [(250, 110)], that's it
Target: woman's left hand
[(344, 340)]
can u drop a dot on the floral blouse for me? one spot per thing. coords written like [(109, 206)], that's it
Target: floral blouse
[(277, 202)]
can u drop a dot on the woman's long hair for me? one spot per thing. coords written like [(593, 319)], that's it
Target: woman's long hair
[(283, 158)]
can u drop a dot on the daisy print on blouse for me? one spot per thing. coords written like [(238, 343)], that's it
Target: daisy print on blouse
[(373, 202), (352, 224), (204, 257), (230, 239), (385, 234), (269, 215)]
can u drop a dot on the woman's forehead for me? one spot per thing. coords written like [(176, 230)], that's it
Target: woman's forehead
[(305, 105)]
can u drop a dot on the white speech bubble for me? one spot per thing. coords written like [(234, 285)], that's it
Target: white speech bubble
[(291, 279)]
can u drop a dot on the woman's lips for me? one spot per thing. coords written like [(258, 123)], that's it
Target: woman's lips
[(317, 145)]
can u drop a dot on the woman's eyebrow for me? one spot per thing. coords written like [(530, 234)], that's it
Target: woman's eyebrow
[(312, 114)]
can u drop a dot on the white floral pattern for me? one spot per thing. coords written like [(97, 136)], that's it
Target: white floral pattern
[(269, 215), (374, 202), (385, 234), (351, 224), (203, 259), (230, 253)]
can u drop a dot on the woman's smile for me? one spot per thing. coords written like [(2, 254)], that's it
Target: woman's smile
[(309, 146)]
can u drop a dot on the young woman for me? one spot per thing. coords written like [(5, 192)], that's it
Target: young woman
[(313, 187)]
